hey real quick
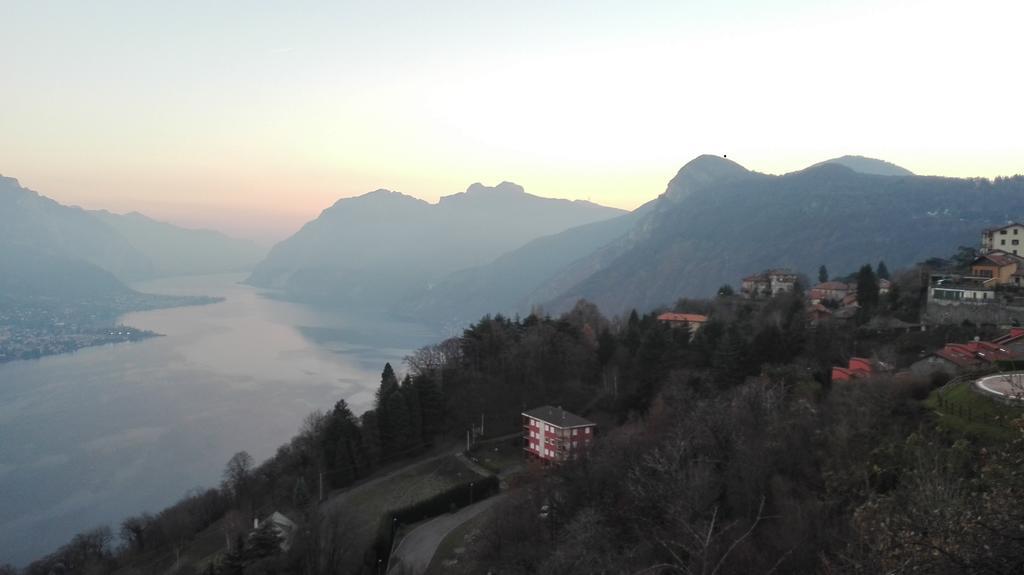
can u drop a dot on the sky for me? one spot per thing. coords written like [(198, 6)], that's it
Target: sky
[(251, 117)]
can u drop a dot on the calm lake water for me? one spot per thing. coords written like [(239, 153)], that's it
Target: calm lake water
[(91, 437)]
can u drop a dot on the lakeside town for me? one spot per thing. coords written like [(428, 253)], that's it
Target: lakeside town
[(31, 328)]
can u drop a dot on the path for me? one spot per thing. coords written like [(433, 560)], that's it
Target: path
[(417, 548)]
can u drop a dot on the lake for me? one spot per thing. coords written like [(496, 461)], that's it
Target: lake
[(91, 437)]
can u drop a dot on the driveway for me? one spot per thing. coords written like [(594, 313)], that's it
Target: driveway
[(414, 552)]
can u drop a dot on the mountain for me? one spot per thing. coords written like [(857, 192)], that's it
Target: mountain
[(729, 222), (379, 248), (32, 274), (69, 255), (506, 284), (869, 166), (31, 221), (173, 251)]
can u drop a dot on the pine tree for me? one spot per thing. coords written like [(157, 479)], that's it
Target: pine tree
[(882, 271), (370, 435), (264, 542), (412, 403), (431, 406), (867, 289), (822, 274), (300, 493), (234, 560), (396, 440)]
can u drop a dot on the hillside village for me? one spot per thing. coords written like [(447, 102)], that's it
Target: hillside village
[(984, 289)]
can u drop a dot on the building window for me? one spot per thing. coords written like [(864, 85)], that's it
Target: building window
[(1015, 231), (586, 430), (1015, 242), (1002, 232), (1002, 242), (574, 431)]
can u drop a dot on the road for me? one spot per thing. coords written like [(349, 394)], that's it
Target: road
[(417, 548)]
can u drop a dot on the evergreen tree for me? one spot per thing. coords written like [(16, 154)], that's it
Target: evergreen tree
[(398, 432), (371, 438), (882, 271), (867, 290), (431, 406), (412, 403), (822, 274), (264, 542), (234, 560), (725, 291), (388, 388), (300, 493)]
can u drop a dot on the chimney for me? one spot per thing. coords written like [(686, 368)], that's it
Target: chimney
[(255, 522)]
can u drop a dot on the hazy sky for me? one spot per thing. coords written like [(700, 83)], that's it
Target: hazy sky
[(251, 117)]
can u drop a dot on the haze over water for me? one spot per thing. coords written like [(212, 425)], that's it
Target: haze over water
[(91, 437)]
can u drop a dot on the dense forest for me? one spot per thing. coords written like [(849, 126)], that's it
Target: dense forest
[(724, 450)]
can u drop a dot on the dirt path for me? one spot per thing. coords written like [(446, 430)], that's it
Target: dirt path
[(414, 552)]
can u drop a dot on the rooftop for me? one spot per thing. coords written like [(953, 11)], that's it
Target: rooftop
[(687, 317), (557, 416)]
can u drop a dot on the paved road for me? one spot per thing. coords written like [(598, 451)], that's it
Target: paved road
[(413, 554)]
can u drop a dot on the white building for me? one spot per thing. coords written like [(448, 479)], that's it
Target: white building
[(1009, 238)]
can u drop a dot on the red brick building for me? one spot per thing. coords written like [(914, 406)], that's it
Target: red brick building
[(554, 434)]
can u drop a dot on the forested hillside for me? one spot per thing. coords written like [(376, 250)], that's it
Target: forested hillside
[(732, 227), (726, 450)]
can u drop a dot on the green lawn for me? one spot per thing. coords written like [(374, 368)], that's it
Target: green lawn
[(498, 456), (961, 410)]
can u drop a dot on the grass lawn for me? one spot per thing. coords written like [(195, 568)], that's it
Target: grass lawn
[(450, 557), (961, 410), (357, 512), (498, 456)]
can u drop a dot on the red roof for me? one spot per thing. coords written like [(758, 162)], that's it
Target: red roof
[(687, 317), (833, 286), (998, 258)]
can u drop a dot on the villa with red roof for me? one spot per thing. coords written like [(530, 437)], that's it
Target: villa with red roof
[(692, 320)]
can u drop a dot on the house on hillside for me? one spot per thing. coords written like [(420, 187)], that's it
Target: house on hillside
[(957, 358), (998, 267), (832, 291), (285, 528), (693, 321), (859, 367), (951, 288), (1008, 238), (554, 434), (769, 283)]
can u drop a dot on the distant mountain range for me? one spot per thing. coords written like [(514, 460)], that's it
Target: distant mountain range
[(87, 252), (715, 223), (377, 250)]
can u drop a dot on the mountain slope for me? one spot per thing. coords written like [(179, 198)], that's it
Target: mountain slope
[(827, 214), (173, 250), (868, 166), (376, 249), (31, 221), (507, 284)]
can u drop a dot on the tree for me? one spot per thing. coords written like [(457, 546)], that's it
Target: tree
[(725, 291), (264, 542), (431, 406), (867, 289), (371, 437), (134, 530), (234, 560), (237, 473), (822, 274), (882, 271)]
